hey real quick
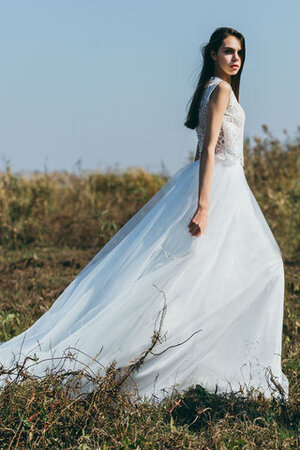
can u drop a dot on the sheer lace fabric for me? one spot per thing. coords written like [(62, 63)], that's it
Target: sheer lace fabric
[(230, 141)]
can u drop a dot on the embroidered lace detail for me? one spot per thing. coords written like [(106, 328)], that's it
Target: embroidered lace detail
[(230, 141)]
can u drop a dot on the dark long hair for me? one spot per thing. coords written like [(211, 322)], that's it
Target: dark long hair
[(208, 68)]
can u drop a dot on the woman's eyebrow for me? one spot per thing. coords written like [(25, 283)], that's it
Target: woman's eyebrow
[(231, 48)]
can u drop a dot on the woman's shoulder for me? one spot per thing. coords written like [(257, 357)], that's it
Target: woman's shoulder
[(216, 81), (221, 88)]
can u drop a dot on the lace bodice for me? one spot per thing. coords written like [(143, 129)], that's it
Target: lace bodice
[(231, 138)]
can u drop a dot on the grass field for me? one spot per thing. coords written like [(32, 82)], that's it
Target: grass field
[(51, 225)]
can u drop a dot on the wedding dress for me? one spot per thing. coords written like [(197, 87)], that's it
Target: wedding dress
[(218, 298)]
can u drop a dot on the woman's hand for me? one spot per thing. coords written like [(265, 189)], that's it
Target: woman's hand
[(198, 223)]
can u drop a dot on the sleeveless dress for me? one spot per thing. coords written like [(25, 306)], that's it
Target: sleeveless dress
[(216, 300)]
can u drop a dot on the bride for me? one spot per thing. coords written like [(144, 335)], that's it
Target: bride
[(197, 266)]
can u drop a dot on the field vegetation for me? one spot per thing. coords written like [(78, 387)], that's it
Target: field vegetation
[(51, 225)]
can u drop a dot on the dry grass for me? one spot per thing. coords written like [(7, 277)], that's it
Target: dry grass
[(51, 225)]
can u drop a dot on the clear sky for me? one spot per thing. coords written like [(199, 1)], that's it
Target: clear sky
[(108, 82)]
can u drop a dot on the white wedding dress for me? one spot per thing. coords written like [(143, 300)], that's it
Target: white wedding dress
[(218, 297)]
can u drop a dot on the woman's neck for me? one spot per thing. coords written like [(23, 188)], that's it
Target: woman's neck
[(223, 76)]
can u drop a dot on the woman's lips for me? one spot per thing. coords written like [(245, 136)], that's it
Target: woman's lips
[(235, 66)]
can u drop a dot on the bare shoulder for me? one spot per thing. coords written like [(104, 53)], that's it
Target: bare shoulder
[(221, 93), (223, 89)]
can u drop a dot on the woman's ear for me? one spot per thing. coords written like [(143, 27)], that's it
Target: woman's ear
[(213, 55)]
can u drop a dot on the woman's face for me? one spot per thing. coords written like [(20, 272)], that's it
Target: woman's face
[(228, 59)]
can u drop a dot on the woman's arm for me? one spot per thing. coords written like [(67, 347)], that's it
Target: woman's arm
[(216, 108)]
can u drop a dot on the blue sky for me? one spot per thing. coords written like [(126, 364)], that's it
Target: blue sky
[(108, 82)]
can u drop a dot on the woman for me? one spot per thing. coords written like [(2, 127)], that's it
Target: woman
[(193, 283)]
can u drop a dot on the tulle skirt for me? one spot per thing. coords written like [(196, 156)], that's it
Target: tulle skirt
[(216, 300)]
